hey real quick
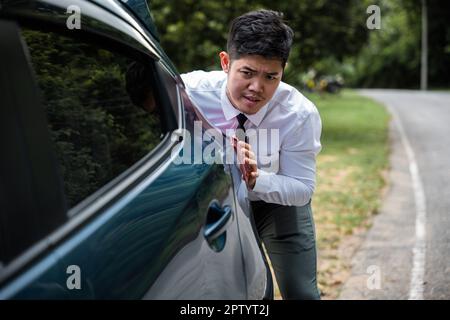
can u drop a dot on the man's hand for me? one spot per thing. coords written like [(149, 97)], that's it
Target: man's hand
[(247, 162)]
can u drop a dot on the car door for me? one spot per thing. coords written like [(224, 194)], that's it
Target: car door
[(105, 210), (257, 274)]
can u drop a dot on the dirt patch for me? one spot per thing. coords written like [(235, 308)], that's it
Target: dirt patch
[(334, 264)]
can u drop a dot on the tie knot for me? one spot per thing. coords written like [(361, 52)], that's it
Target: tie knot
[(241, 119)]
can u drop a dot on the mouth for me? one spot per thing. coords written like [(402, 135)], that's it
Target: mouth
[(252, 99)]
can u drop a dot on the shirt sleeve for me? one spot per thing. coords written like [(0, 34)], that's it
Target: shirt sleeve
[(294, 183), (193, 79)]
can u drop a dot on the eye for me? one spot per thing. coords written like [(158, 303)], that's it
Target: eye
[(246, 74), (270, 77)]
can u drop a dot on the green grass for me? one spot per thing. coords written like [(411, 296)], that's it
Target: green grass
[(353, 157), (350, 178), (350, 174)]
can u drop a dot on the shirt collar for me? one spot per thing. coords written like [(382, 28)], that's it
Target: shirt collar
[(231, 112)]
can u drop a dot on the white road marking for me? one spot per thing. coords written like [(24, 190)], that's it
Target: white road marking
[(419, 251)]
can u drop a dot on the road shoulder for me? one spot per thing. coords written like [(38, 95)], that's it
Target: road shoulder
[(381, 267)]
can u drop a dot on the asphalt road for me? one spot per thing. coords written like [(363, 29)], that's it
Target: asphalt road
[(406, 253)]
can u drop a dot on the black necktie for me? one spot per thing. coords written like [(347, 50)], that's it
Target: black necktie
[(241, 120)]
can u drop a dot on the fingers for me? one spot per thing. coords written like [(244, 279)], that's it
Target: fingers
[(249, 167), (245, 149), (240, 144), (243, 145), (248, 154), (247, 161), (251, 162), (251, 178), (251, 170)]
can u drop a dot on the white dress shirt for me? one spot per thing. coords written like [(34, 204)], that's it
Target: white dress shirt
[(286, 168)]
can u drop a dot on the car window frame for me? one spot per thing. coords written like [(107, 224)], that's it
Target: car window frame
[(147, 168)]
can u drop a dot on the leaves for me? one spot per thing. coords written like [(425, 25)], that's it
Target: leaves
[(97, 132), (330, 36)]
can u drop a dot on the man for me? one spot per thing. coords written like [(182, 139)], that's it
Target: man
[(249, 94)]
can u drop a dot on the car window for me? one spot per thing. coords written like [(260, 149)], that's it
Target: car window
[(101, 106), (171, 86)]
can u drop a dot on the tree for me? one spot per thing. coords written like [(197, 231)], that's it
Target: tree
[(194, 32), (392, 56)]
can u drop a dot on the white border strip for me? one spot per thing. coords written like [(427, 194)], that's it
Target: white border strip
[(419, 251)]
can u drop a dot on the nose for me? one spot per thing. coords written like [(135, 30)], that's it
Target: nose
[(256, 85)]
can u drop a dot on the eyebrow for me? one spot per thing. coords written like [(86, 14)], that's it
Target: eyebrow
[(268, 73)]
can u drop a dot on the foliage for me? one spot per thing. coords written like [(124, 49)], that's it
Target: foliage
[(96, 131), (331, 38), (194, 32), (392, 57)]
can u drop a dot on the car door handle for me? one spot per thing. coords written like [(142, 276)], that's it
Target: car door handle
[(217, 220)]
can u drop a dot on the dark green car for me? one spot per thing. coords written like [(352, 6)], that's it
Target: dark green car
[(94, 203)]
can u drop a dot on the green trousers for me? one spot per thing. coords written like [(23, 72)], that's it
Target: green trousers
[(288, 234)]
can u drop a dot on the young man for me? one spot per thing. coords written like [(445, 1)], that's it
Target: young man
[(249, 94)]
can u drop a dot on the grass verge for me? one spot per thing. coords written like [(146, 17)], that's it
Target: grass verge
[(351, 175)]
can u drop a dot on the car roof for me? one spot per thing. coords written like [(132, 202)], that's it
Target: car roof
[(139, 8), (141, 11), (134, 12)]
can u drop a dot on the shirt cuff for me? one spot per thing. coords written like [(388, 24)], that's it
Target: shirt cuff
[(262, 183)]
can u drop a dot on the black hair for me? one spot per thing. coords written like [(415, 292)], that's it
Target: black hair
[(261, 32)]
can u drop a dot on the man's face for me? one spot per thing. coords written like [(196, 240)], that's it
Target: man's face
[(252, 81)]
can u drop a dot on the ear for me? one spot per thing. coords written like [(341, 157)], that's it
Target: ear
[(224, 61)]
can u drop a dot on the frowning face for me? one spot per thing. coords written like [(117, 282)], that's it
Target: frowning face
[(252, 80)]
